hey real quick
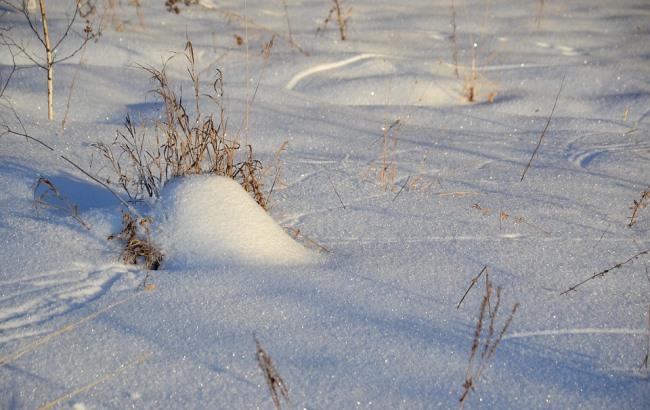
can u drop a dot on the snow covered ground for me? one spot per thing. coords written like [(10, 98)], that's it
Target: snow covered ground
[(374, 322)]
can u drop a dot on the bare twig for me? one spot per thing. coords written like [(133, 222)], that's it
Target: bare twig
[(341, 19), (402, 188), (24, 134), (50, 195), (297, 233), (336, 192), (541, 137), (638, 205), (4, 83), (471, 285), (286, 15), (277, 387), (605, 271)]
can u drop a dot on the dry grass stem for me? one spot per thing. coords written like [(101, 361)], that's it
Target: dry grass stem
[(278, 180), (541, 136), (637, 206), (341, 18), (478, 363), (472, 284), (336, 192), (46, 195), (277, 387), (297, 233), (384, 167), (602, 273)]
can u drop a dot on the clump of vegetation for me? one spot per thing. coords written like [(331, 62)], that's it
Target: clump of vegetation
[(182, 144), (136, 237)]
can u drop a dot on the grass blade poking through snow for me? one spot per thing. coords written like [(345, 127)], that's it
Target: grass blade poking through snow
[(478, 363), (541, 136), (637, 206), (277, 387)]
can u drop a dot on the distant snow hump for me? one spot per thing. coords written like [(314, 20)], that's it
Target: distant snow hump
[(205, 221)]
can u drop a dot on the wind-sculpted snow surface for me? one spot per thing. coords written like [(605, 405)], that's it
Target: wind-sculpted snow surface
[(372, 152)]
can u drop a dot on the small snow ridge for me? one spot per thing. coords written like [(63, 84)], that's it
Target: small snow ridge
[(211, 220)]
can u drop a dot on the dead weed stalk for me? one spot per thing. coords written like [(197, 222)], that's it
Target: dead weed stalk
[(637, 206), (603, 272), (277, 387), (341, 17), (479, 358), (46, 195)]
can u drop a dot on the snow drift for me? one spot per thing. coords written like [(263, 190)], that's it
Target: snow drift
[(212, 220)]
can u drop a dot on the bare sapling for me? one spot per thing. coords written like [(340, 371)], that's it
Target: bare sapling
[(44, 36)]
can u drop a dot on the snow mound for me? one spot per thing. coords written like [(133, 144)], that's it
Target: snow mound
[(211, 220)]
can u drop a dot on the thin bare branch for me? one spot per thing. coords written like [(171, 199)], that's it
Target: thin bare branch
[(541, 137), (605, 271)]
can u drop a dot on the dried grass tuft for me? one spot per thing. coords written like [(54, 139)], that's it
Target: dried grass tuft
[(184, 143), (138, 247)]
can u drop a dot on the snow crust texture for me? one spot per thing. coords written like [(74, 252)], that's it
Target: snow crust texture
[(372, 320)]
